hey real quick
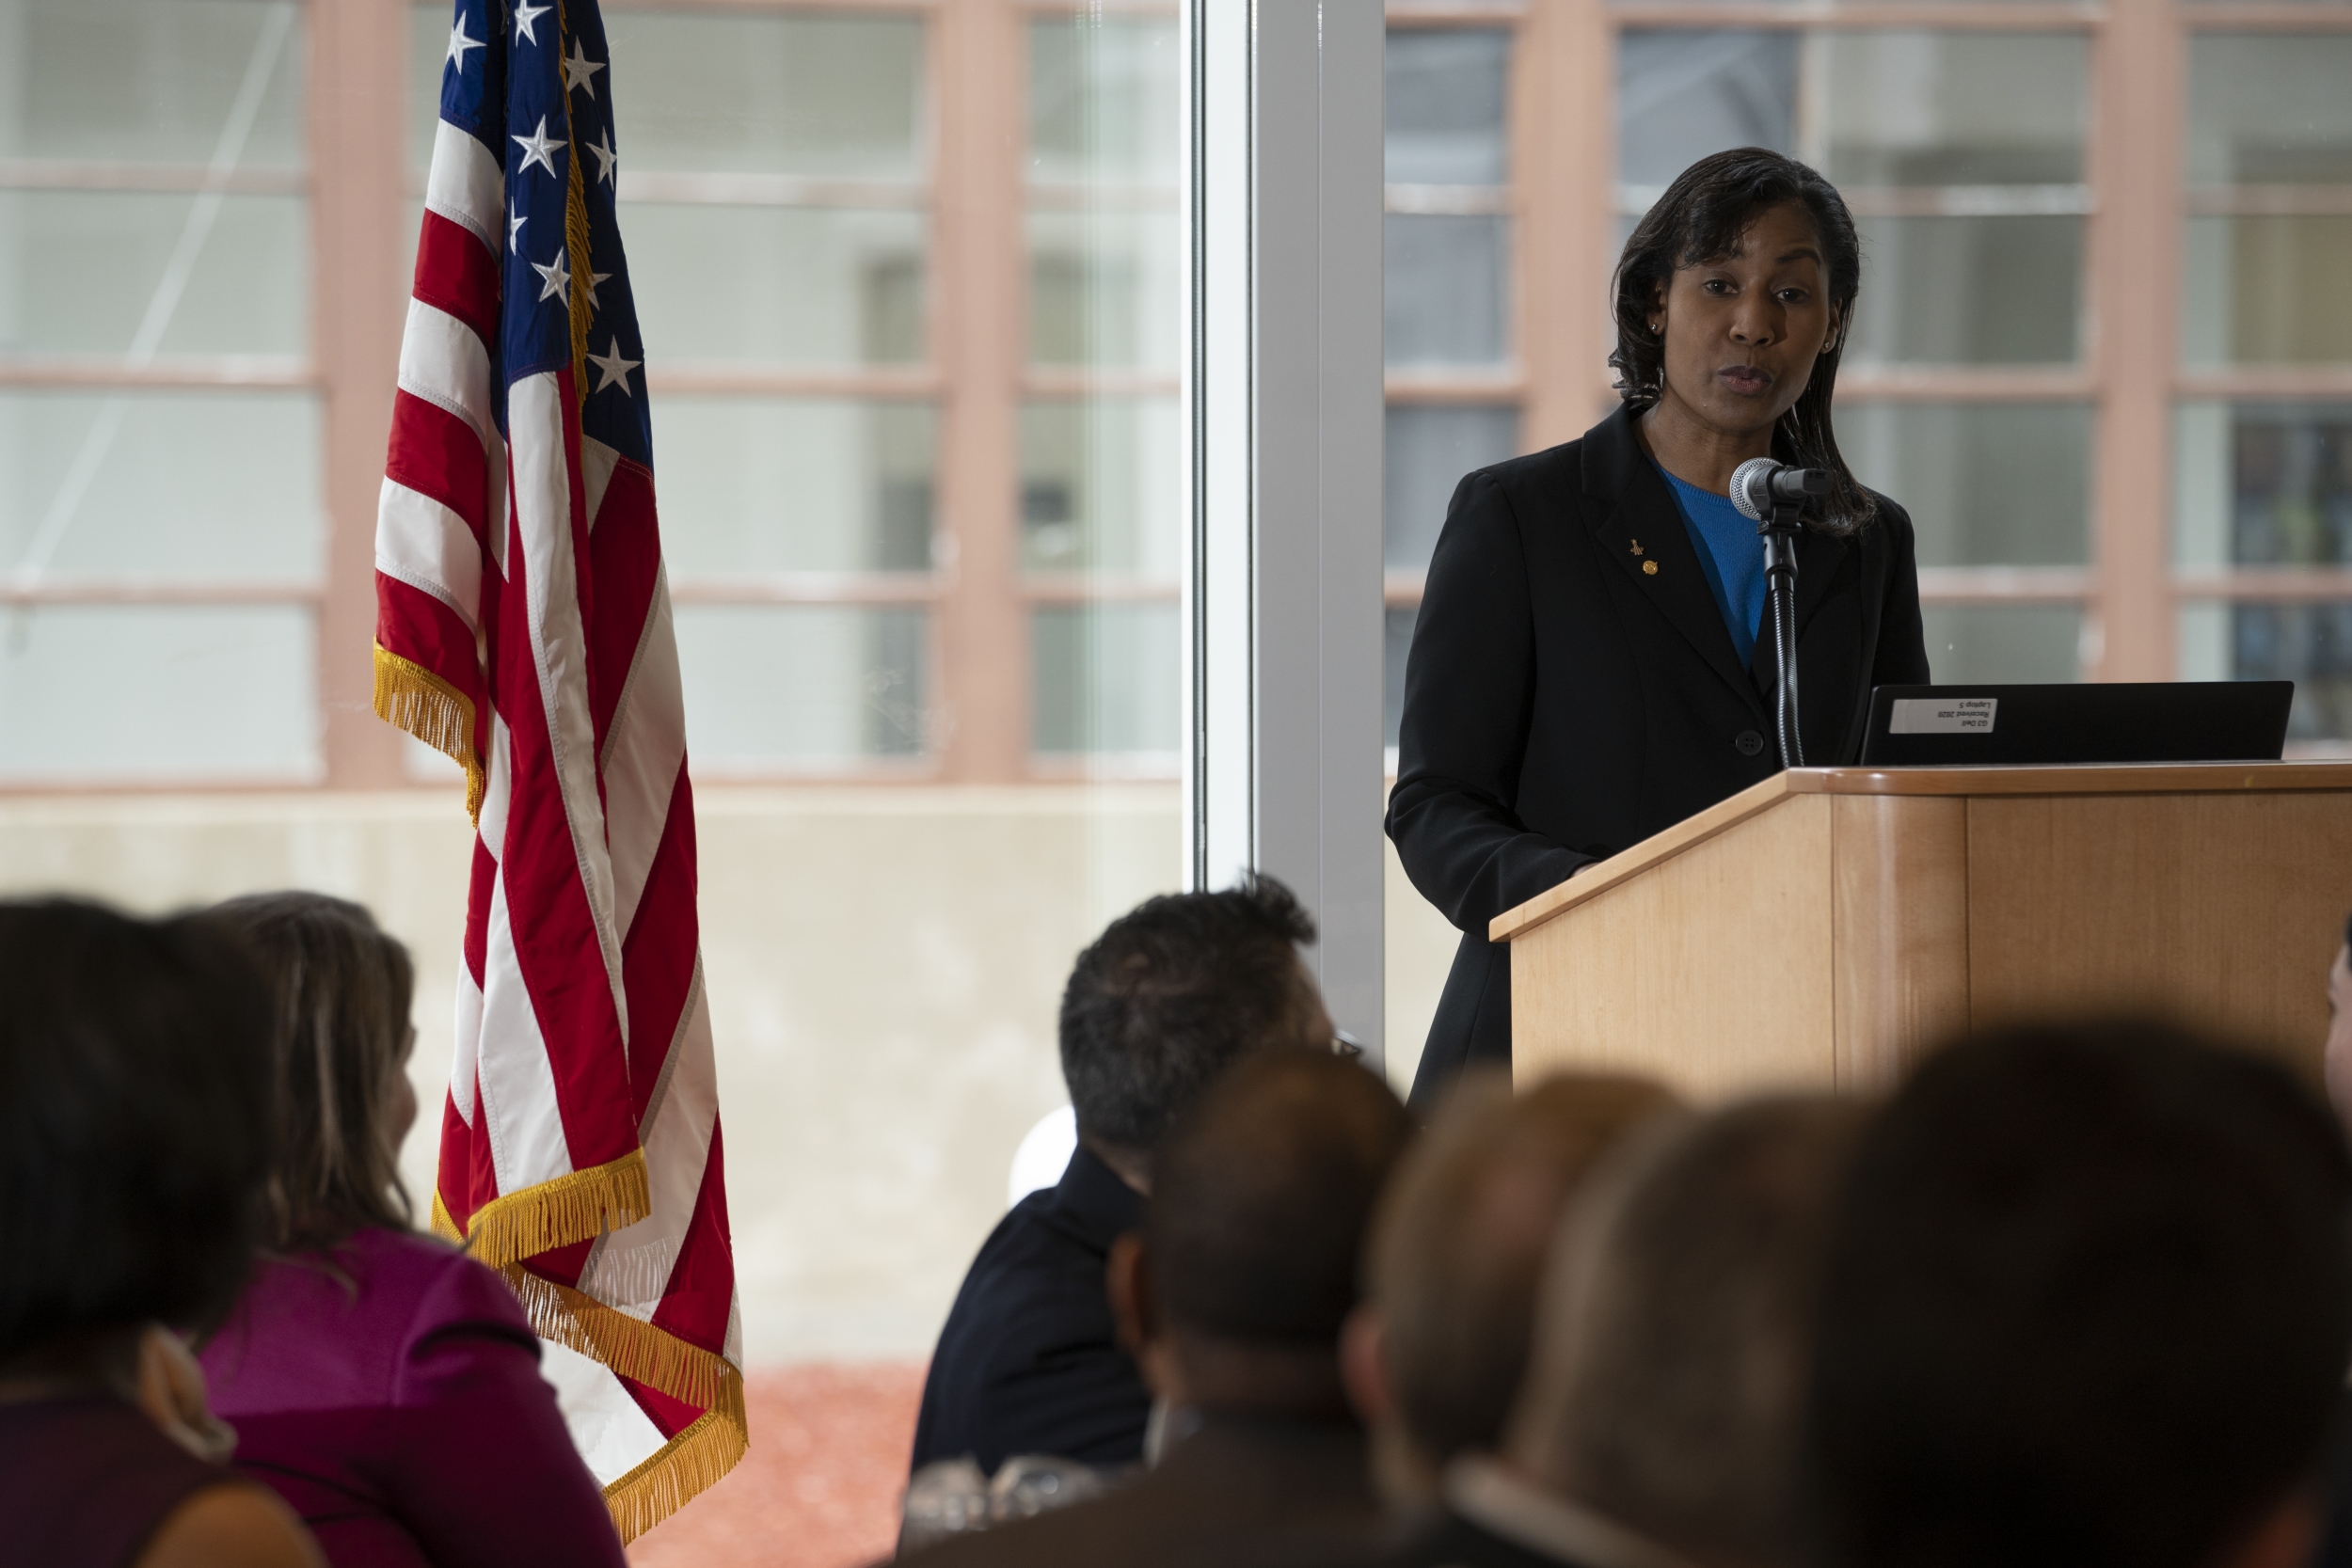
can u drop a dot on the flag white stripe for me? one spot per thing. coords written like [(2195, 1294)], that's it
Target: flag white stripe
[(597, 463), (445, 364), (519, 1104), (559, 647), (426, 545), (466, 186), (630, 1268), (468, 1056), (644, 754)]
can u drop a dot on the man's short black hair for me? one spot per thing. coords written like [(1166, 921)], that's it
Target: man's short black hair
[(1169, 993), (2087, 1303), (1262, 1194), (135, 1122)]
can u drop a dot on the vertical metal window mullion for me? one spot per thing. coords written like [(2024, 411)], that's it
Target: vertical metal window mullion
[(1284, 622)]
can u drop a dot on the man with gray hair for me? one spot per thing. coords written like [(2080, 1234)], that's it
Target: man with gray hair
[(1664, 1402)]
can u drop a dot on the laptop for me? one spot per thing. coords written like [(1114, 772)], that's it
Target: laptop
[(2155, 722)]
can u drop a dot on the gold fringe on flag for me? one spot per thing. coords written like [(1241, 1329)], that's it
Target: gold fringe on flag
[(444, 1226), (630, 1346), (410, 697), (688, 1465), (556, 1213)]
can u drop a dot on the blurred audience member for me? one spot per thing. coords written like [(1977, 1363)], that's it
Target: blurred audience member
[(135, 1138), (2088, 1304), (1028, 1362), (1233, 1296), (1662, 1407), (382, 1382), (1436, 1353)]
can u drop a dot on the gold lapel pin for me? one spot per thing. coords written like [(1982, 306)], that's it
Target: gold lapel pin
[(1649, 568), (1637, 547)]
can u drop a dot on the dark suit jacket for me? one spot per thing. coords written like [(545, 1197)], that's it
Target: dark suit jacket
[(1564, 701), (1239, 1492), (1029, 1362)]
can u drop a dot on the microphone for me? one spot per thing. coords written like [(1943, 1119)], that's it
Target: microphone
[(1759, 484)]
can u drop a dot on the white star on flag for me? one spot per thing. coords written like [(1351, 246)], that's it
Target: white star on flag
[(606, 156), (557, 276), (526, 17), (579, 71), (515, 222), (459, 43), (595, 278), (538, 147), (611, 369)]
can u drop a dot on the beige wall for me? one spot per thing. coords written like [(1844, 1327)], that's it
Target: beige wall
[(883, 967)]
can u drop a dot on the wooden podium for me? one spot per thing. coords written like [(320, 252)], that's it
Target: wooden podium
[(1822, 927)]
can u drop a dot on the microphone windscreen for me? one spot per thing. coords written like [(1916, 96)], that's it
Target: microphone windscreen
[(1748, 491)]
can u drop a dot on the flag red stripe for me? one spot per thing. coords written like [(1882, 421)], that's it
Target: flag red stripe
[(456, 272), (435, 454)]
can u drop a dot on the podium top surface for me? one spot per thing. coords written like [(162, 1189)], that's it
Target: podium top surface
[(2152, 778)]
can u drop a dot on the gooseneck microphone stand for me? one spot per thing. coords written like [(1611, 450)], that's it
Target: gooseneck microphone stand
[(1776, 497)]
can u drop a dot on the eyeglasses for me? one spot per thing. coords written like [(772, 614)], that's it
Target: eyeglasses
[(1346, 1044)]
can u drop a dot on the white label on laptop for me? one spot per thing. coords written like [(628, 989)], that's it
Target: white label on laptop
[(1943, 716)]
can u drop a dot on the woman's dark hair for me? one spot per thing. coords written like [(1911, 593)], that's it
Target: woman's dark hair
[(1700, 218), (135, 1131), (340, 991)]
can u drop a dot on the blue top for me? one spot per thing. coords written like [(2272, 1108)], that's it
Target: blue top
[(1732, 555)]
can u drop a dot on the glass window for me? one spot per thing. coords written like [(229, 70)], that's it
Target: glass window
[(1968, 291), (1428, 450), (1986, 484), (1101, 484), (1103, 100), (1105, 682), (1932, 109), (1682, 95), (753, 485), (153, 80), (1396, 644), (1444, 291), (188, 486), (830, 97), (2262, 484), (2269, 108), (2310, 644), (805, 687), (1100, 490), (1444, 106), (1104, 289), (189, 693), (2003, 643), (710, 282), (2265, 256)]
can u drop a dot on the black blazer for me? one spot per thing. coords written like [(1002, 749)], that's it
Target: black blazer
[(1564, 700), (1029, 1359)]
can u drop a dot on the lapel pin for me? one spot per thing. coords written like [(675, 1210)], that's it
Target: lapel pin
[(1637, 547), (1649, 568)]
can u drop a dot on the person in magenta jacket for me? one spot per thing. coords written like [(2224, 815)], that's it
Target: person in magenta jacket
[(387, 1386)]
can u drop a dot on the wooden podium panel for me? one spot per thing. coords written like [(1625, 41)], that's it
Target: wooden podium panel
[(1824, 926)]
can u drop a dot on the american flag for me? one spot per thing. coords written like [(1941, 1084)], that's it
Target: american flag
[(523, 627)]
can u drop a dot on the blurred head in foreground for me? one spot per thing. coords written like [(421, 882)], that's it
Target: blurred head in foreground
[(135, 1131), (339, 1041), (1167, 995), (2087, 1303), (1436, 1353), (1665, 1389), (1234, 1294)]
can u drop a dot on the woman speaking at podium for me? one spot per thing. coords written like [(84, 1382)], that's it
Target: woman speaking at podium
[(1586, 668)]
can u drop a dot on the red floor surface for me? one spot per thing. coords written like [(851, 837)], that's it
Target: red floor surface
[(820, 1485)]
